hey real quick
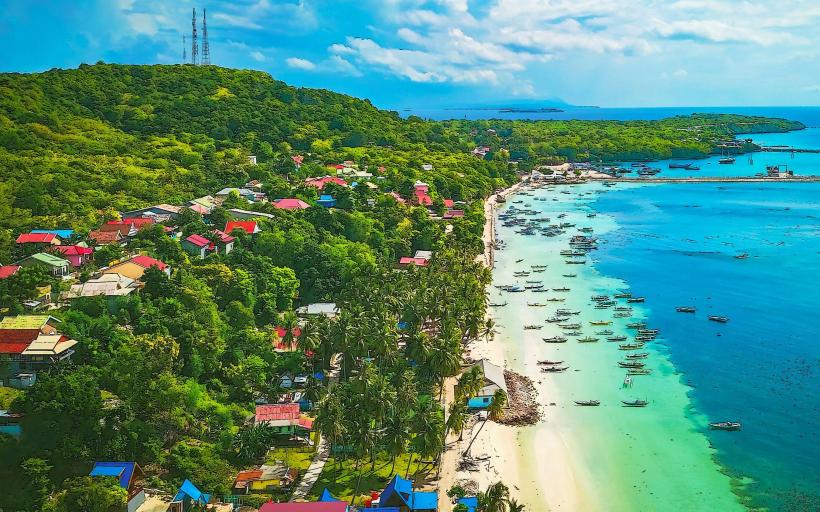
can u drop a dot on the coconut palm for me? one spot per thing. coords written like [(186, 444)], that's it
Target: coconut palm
[(514, 506), (494, 499), (496, 408), (457, 416)]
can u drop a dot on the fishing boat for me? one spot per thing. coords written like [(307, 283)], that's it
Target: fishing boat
[(566, 312), (569, 326), (719, 319), (631, 364), (622, 295), (742, 256), (636, 299), (726, 160), (556, 299), (601, 322), (536, 304), (630, 346), (498, 304), (645, 338), (555, 339), (548, 362), (554, 369), (600, 297), (639, 371), (587, 403), (685, 309), (624, 308), (587, 339), (616, 338), (725, 425), (575, 262), (573, 333), (636, 325), (648, 331), (564, 289), (533, 327), (621, 315), (639, 355), (634, 403), (605, 332), (519, 261), (570, 275)]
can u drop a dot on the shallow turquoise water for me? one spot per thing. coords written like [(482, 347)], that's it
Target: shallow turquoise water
[(676, 244)]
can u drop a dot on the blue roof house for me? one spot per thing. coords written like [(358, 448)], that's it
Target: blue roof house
[(399, 495), (327, 201), (187, 497), (129, 476), (62, 234), (326, 496)]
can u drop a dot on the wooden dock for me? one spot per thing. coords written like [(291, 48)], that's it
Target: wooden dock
[(787, 149), (716, 179)]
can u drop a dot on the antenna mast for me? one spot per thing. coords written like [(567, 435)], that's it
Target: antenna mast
[(184, 49), (194, 47), (206, 49)]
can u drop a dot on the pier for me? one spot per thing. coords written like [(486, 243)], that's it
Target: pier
[(787, 149), (715, 179)]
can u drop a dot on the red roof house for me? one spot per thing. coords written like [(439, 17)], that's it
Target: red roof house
[(297, 160), (148, 262), (77, 255), (399, 199), (282, 415), (321, 182), (105, 237), (38, 238), (317, 506), (8, 271), (421, 196), (291, 204), (452, 214), (419, 262), (248, 226), (448, 203), (137, 222)]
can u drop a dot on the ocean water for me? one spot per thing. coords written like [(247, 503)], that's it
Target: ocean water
[(676, 244)]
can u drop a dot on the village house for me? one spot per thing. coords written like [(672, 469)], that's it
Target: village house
[(248, 226), (493, 381), (29, 343), (297, 160), (326, 200), (63, 234), (129, 477), (107, 285), (268, 478), (326, 503), (135, 267), (452, 214), (203, 205), (399, 495), (240, 214), (100, 238), (285, 419), (7, 271), (56, 266), (198, 245), (159, 212), (190, 498), (252, 159), (41, 240), (399, 199), (421, 194), (77, 255), (280, 345), (224, 243), (250, 195), (327, 309), (291, 204), (320, 183)]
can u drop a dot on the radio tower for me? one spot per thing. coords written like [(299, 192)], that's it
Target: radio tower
[(194, 47), (184, 49), (206, 50)]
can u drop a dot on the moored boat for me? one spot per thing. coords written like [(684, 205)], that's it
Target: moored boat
[(719, 319), (587, 403), (533, 327), (634, 403), (587, 339), (555, 339), (636, 299), (685, 309), (725, 425)]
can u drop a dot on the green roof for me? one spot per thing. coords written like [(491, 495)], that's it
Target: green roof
[(49, 259), (24, 321)]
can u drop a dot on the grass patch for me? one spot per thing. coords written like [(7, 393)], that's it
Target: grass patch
[(341, 480), (7, 396), (295, 455)]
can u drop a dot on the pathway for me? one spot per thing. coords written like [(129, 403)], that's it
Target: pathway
[(313, 472)]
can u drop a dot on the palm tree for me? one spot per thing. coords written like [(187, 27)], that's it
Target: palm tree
[(330, 422), (496, 408), (514, 506), (395, 436), (494, 499), (457, 417)]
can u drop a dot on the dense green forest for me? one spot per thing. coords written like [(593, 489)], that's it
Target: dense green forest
[(169, 376)]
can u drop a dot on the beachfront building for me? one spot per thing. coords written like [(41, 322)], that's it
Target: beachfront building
[(135, 267), (400, 496), (189, 498), (129, 476), (317, 506), (493, 381), (29, 343)]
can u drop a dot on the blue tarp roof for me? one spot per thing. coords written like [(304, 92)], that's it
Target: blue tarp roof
[(424, 500), (326, 197), (326, 496), (120, 470), (471, 502), (400, 492), (62, 233), (188, 489)]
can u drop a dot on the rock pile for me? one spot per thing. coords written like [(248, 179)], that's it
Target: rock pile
[(521, 408)]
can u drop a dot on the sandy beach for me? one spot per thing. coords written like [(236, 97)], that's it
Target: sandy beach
[(576, 458)]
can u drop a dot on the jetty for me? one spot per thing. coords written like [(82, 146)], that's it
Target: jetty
[(714, 179)]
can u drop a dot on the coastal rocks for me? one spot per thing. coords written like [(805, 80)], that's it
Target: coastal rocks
[(522, 408)]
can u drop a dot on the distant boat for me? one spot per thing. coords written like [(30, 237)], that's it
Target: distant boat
[(719, 319), (497, 304), (725, 425), (533, 327), (636, 299), (742, 256), (634, 403), (570, 275), (555, 339), (587, 339), (600, 322), (554, 369), (726, 160), (640, 355), (548, 362), (587, 403), (685, 309)]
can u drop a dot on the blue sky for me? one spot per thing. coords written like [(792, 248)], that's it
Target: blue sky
[(414, 53)]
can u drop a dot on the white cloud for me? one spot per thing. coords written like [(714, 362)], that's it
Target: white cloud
[(340, 65), (298, 63), (236, 20), (811, 88), (257, 56)]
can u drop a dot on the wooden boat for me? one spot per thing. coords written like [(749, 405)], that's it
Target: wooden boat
[(630, 346), (634, 403), (631, 364), (536, 304), (726, 160), (685, 309), (640, 355), (555, 299), (573, 333), (555, 339), (638, 371), (605, 332), (497, 304), (548, 362), (569, 326), (587, 339), (622, 315), (601, 322), (587, 403), (554, 369), (570, 275), (742, 256), (719, 319), (725, 425), (648, 331), (616, 338), (622, 295), (636, 299), (519, 261), (575, 262), (533, 327), (564, 289), (636, 325), (600, 297)]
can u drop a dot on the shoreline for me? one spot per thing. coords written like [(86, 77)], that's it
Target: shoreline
[(568, 460)]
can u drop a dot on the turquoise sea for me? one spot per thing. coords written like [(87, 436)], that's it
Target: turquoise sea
[(676, 244)]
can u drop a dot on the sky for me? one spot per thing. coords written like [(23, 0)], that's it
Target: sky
[(439, 53)]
